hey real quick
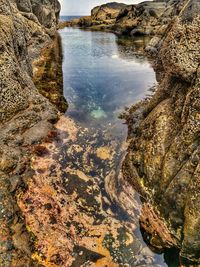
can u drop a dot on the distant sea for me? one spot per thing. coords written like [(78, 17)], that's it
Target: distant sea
[(68, 18)]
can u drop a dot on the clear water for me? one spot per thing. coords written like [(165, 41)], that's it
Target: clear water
[(102, 76), (78, 206)]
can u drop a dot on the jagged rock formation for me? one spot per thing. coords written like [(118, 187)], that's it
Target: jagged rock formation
[(25, 115), (146, 18), (163, 156), (106, 13)]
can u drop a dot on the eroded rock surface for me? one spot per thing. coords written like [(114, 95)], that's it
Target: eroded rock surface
[(146, 18), (25, 115), (143, 19), (106, 13), (163, 156)]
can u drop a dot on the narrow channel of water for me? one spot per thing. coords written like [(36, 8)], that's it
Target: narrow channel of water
[(104, 74), (72, 203)]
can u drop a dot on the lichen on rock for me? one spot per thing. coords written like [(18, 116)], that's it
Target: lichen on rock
[(164, 147), (25, 28)]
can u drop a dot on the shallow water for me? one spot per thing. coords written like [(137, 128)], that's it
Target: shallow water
[(79, 208), (102, 75)]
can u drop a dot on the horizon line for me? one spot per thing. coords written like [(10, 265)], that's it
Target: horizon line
[(72, 14)]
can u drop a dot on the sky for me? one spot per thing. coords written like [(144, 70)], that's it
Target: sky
[(83, 7)]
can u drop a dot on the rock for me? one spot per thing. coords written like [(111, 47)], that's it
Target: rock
[(164, 152), (15, 181), (107, 12), (85, 22), (35, 134), (160, 236), (101, 17), (26, 27), (141, 19), (153, 45), (192, 10), (146, 18), (24, 6)]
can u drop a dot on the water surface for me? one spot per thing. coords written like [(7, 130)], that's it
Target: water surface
[(102, 75), (68, 18), (78, 206)]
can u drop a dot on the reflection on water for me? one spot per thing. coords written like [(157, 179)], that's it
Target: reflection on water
[(102, 75), (132, 49), (79, 208)]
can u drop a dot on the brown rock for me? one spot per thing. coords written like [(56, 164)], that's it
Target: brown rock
[(164, 147)]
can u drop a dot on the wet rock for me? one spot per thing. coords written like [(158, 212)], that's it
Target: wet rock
[(84, 255), (21, 238), (25, 28), (163, 156), (153, 225), (66, 206), (15, 182), (36, 133), (48, 77)]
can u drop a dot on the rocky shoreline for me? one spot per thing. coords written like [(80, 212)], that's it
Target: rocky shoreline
[(163, 157), (26, 116), (146, 18), (162, 161)]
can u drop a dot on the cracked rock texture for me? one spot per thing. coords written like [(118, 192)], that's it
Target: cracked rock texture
[(163, 156), (25, 115)]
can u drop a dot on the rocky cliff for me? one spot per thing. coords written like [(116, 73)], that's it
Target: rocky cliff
[(145, 18), (106, 13), (163, 157), (102, 17), (26, 27)]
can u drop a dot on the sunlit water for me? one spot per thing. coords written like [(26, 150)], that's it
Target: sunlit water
[(78, 205)]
